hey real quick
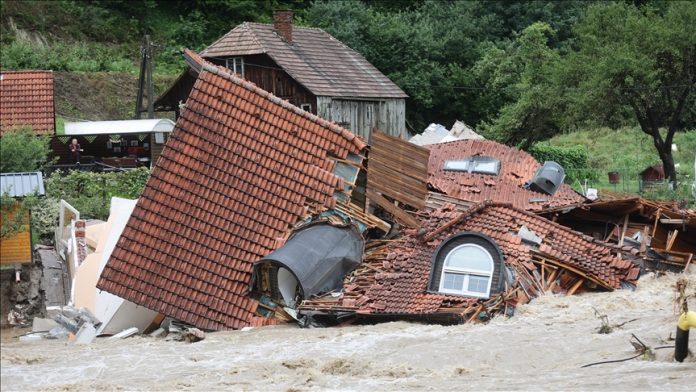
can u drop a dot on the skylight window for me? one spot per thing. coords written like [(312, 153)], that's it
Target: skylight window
[(475, 164)]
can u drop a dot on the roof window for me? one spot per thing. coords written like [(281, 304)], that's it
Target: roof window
[(475, 164), (468, 270), (467, 264)]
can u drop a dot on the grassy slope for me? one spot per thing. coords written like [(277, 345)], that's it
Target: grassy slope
[(629, 151)]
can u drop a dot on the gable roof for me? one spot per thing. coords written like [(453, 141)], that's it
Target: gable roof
[(26, 98), (394, 277), (315, 59), (240, 168), (516, 168)]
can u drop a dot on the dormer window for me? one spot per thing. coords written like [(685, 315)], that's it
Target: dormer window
[(236, 64), (467, 270), (468, 264), (475, 164)]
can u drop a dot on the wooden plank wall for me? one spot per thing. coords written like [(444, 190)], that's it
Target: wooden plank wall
[(17, 249), (398, 169), (361, 116)]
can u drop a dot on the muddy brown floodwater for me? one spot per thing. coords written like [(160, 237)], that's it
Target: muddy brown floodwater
[(542, 347)]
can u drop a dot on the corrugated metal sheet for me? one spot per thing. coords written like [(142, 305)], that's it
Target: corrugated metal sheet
[(398, 169), (22, 184)]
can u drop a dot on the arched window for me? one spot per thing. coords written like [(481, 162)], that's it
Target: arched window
[(468, 270), (468, 264)]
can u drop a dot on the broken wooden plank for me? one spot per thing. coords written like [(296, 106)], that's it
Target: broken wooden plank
[(398, 169), (575, 286), (397, 212)]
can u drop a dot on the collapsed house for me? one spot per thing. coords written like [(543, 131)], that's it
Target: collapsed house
[(461, 266), (484, 170), (241, 169), (658, 235), (258, 212)]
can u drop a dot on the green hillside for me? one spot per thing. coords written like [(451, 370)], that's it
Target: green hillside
[(629, 151)]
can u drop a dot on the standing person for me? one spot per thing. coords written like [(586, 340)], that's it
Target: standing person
[(75, 151)]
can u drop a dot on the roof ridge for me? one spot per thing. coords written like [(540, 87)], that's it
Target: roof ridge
[(294, 26), (225, 73), (6, 71)]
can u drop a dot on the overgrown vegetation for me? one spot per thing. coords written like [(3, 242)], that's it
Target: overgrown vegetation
[(574, 159), (628, 151), (22, 151), (91, 193)]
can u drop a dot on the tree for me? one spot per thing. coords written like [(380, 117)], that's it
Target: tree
[(22, 151), (526, 72), (637, 61)]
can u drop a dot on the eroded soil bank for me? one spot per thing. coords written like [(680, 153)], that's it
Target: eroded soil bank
[(542, 347)]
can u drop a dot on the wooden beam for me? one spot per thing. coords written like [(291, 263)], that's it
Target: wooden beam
[(657, 219), (671, 237), (667, 221), (575, 286), (623, 230), (644, 240), (398, 213)]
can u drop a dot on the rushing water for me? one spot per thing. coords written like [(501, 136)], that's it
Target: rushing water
[(542, 347)]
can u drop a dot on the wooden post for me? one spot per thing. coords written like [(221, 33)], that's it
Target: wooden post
[(623, 230), (657, 219), (145, 80)]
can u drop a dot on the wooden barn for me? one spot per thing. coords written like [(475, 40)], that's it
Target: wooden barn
[(310, 69)]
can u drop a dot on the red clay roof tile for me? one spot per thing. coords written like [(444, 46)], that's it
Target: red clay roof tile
[(395, 277), (516, 168), (26, 98), (225, 188)]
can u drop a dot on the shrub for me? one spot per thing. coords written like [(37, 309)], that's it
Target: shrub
[(574, 160), (22, 151), (91, 193), (44, 217)]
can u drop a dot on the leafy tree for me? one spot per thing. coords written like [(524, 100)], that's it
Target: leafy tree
[(22, 151), (527, 71), (637, 61)]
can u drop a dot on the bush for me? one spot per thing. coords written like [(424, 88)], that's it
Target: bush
[(22, 151), (574, 160), (91, 193), (44, 217), (75, 57)]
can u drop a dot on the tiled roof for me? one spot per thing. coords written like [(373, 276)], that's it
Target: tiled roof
[(240, 168), (318, 61), (516, 168), (26, 98), (396, 276)]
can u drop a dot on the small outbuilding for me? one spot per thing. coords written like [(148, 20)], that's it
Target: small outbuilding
[(16, 248)]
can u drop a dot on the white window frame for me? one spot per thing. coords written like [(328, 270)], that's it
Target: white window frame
[(236, 64), (467, 272), (472, 165)]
